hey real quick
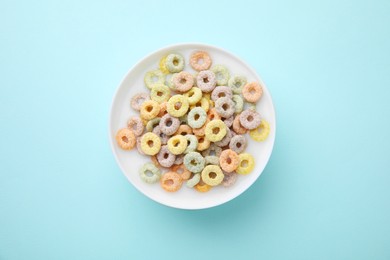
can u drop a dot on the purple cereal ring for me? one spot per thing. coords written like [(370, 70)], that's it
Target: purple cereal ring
[(228, 121), (206, 81), (138, 143), (165, 158), (220, 92), (229, 178), (179, 159), (169, 124), (250, 119), (238, 143), (225, 141), (135, 124), (163, 137), (225, 107), (183, 81), (138, 99)]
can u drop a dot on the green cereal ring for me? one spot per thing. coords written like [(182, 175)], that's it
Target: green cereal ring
[(214, 160), (149, 173), (212, 175), (193, 95), (154, 77), (160, 93), (194, 162), (196, 117), (169, 81), (152, 123), (237, 83), (222, 75), (174, 62), (215, 130), (192, 143), (193, 181), (177, 105), (177, 144), (238, 103)]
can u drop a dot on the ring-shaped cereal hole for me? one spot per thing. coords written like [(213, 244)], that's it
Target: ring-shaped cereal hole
[(194, 162), (200, 60), (135, 124), (246, 163), (260, 133), (229, 179), (203, 103), (206, 81), (182, 170), (221, 92), (238, 143), (226, 140), (252, 92), (222, 74), (203, 143), (149, 109), (228, 121), (238, 103), (183, 81), (154, 77), (215, 130), (160, 93), (225, 107), (138, 99), (165, 157), (177, 144), (196, 117), (125, 139), (162, 65), (171, 181), (169, 124), (193, 95), (237, 127), (236, 83), (212, 114), (149, 173), (212, 175), (174, 62), (250, 119), (177, 105), (229, 160), (192, 143), (193, 180), (150, 143)]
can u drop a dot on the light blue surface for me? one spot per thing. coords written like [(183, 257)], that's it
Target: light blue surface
[(324, 195)]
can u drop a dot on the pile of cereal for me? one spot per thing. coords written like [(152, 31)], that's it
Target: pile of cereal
[(194, 126)]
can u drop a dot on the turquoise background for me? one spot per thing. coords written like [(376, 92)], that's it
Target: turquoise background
[(324, 194)]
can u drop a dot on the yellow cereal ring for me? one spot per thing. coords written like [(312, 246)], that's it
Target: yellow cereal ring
[(193, 95), (149, 109), (247, 163), (203, 103), (261, 132), (125, 138), (177, 105), (163, 66), (177, 144), (212, 175), (203, 143), (160, 93), (215, 130), (202, 187), (150, 143)]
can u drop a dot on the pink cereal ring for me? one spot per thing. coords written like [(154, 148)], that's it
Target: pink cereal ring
[(252, 92), (183, 81), (200, 60)]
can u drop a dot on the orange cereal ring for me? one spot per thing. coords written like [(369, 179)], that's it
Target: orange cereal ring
[(252, 92), (182, 170), (171, 181), (203, 143), (229, 160), (237, 127), (163, 109), (200, 131), (212, 114), (183, 130), (126, 139), (200, 60), (202, 187)]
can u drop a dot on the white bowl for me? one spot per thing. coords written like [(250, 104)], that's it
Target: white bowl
[(131, 161)]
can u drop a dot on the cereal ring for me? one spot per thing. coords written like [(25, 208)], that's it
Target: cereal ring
[(160, 93), (135, 124), (193, 95), (150, 143), (200, 131), (260, 133), (238, 143), (220, 92), (212, 150), (212, 175), (229, 160), (206, 81), (192, 143), (215, 130), (238, 103), (177, 105), (149, 109), (149, 173), (203, 103), (174, 62), (194, 162), (200, 60), (237, 127), (203, 143), (179, 159), (169, 81), (250, 119), (138, 144), (225, 141), (229, 179), (212, 114), (196, 117), (229, 121), (252, 92), (163, 109), (183, 130), (152, 124), (202, 187), (182, 170), (162, 65), (183, 81), (125, 138), (169, 124), (246, 164), (193, 181), (221, 74), (224, 107), (137, 100), (236, 83), (165, 158), (171, 181), (177, 144), (154, 77), (212, 160)]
